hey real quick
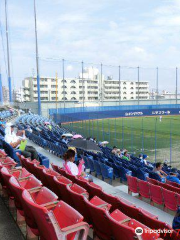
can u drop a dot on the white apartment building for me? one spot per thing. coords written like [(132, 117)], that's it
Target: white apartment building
[(89, 85), (18, 95)]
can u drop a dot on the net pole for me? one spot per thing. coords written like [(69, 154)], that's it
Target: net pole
[(131, 134), (138, 84), (142, 135), (82, 66), (170, 141), (63, 84), (119, 68), (155, 139), (115, 137), (176, 84), (122, 132), (157, 84)]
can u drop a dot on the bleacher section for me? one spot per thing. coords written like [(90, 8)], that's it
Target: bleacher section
[(42, 195)]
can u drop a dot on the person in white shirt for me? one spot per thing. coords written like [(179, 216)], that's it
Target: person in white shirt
[(14, 139)]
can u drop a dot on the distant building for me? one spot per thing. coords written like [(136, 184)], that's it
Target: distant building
[(18, 95), (5, 94), (89, 85)]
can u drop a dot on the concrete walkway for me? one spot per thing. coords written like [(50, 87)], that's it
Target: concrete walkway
[(118, 189), (8, 228)]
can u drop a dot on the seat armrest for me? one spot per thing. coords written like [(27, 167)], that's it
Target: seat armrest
[(35, 189), (23, 179), (50, 204)]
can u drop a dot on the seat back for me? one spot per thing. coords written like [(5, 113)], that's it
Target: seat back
[(132, 184), (120, 231), (97, 168), (49, 175), (100, 222), (6, 176), (156, 194), (47, 221), (31, 182), (79, 203), (144, 189), (153, 181), (170, 199), (61, 190), (43, 196), (17, 192), (91, 164), (94, 190)]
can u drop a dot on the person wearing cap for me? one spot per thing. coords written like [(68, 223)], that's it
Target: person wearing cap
[(173, 177), (14, 140), (63, 139)]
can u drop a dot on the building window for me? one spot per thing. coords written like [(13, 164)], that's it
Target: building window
[(124, 87), (72, 81), (124, 98), (64, 81), (73, 87), (64, 92), (64, 98), (73, 92), (73, 98), (124, 83)]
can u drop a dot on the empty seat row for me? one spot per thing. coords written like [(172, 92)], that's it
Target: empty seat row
[(156, 193), (119, 204), (45, 216)]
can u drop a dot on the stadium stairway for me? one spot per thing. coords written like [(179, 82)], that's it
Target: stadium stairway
[(118, 190), (8, 228)]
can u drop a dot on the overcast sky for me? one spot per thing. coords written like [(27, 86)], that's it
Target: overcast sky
[(129, 33)]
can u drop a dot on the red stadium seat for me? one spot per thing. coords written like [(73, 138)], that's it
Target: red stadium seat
[(82, 182), (71, 177), (62, 172), (100, 222), (124, 220), (49, 175), (55, 167), (153, 181), (132, 184), (17, 189), (79, 203), (43, 197), (79, 190), (170, 200), (94, 190), (174, 184), (156, 194), (63, 221), (98, 202), (144, 189), (156, 224), (61, 190), (20, 173), (120, 231)]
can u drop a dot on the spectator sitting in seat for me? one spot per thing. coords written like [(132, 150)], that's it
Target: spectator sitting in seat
[(118, 153), (71, 168), (14, 140), (114, 150), (29, 129), (63, 139), (126, 156), (158, 170), (173, 177)]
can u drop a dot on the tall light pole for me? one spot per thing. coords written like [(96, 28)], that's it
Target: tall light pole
[(37, 61), (8, 58)]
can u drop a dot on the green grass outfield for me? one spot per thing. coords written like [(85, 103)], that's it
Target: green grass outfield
[(137, 134)]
